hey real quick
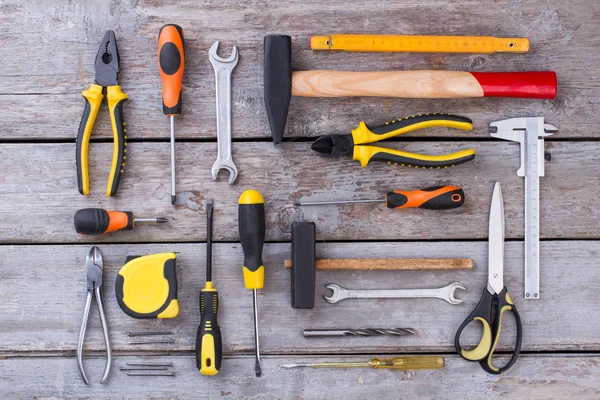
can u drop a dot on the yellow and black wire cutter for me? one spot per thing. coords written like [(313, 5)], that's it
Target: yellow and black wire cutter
[(352, 145), (106, 82)]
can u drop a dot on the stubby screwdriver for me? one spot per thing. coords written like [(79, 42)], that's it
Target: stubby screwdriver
[(96, 221), (431, 198), (251, 216), (397, 363), (171, 65), (209, 344)]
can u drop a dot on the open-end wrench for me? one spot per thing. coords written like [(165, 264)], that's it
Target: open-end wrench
[(445, 293), (223, 68)]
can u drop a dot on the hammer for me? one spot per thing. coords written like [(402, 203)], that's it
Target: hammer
[(280, 83)]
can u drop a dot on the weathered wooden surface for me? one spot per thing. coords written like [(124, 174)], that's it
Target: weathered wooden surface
[(546, 377), (47, 193), (49, 48), (41, 86), (47, 321)]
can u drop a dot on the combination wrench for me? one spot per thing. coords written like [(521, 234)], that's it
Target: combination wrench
[(223, 68), (445, 293)]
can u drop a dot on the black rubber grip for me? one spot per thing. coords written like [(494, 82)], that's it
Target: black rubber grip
[(417, 119), (277, 82), (445, 201), (384, 156), (252, 233), (122, 143), (79, 143), (209, 326), (91, 221)]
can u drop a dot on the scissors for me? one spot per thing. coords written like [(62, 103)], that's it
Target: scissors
[(495, 301)]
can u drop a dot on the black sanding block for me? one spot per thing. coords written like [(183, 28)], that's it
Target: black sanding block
[(303, 264)]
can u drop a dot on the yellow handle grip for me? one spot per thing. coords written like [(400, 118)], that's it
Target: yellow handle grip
[(366, 154), (93, 97), (410, 362), (116, 98)]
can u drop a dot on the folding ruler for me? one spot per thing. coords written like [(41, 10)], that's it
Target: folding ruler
[(529, 132)]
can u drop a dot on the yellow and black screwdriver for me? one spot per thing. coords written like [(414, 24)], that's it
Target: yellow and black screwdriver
[(209, 345), (96, 221), (431, 198), (251, 216)]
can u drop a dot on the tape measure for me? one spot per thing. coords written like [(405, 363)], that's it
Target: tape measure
[(146, 286), (420, 44)]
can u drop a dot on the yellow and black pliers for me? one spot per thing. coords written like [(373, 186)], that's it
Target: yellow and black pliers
[(352, 145), (106, 83)]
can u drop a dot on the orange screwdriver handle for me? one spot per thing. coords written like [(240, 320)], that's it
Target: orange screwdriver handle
[(96, 221), (170, 65), (432, 198)]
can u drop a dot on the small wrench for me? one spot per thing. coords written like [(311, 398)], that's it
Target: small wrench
[(223, 68), (445, 293)]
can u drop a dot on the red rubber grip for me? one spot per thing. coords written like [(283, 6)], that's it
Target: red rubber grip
[(533, 85)]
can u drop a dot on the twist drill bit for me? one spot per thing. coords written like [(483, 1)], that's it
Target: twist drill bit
[(359, 332)]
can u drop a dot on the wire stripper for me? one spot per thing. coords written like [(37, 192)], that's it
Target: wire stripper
[(352, 145)]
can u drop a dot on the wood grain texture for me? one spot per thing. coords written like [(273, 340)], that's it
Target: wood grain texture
[(43, 295), (45, 193), (33, 84), (544, 377), (389, 264), (398, 84)]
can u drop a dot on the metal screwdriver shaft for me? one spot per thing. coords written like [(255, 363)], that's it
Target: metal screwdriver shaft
[(173, 194)]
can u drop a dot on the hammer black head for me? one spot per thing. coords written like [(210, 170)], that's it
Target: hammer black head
[(278, 82)]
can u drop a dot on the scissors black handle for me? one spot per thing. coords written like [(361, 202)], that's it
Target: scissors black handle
[(504, 305), (489, 311), (483, 314)]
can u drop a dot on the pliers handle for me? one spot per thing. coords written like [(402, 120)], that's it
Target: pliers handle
[(365, 154), (93, 98)]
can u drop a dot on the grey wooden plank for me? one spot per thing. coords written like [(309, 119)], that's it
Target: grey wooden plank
[(43, 293), (41, 182), (559, 377), (563, 39)]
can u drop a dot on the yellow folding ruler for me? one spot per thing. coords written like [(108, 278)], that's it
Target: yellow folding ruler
[(422, 44)]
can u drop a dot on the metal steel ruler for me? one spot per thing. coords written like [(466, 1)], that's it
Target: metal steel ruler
[(425, 44), (530, 133)]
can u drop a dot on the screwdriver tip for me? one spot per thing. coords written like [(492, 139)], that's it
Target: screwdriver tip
[(257, 369), (173, 199), (161, 220)]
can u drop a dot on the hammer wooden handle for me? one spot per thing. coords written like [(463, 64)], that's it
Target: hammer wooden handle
[(389, 264), (424, 84)]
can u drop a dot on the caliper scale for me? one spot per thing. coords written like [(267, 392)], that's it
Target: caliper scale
[(530, 133)]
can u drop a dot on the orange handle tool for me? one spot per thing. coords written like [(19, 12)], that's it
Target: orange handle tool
[(432, 198), (170, 65)]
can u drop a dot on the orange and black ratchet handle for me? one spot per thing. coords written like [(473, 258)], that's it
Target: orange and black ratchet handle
[(96, 221), (431, 198), (171, 65)]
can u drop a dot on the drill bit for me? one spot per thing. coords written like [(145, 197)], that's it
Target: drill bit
[(359, 332)]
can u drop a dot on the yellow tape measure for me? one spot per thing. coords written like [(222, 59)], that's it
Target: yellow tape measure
[(420, 44)]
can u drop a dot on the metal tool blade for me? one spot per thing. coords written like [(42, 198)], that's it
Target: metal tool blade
[(496, 242)]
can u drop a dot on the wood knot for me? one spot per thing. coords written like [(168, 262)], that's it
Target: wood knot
[(476, 62)]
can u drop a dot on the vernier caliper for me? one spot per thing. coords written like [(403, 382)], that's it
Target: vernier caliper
[(529, 132)]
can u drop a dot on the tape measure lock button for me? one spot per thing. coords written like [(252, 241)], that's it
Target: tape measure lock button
[(146, 286)]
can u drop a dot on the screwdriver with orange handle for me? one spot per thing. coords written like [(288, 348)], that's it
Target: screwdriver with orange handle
[(96, 221), (431, 198), (171, 65)]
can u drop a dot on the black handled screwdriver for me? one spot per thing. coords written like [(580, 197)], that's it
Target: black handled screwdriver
[(96, 221), (209, 345), (251, 216)]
